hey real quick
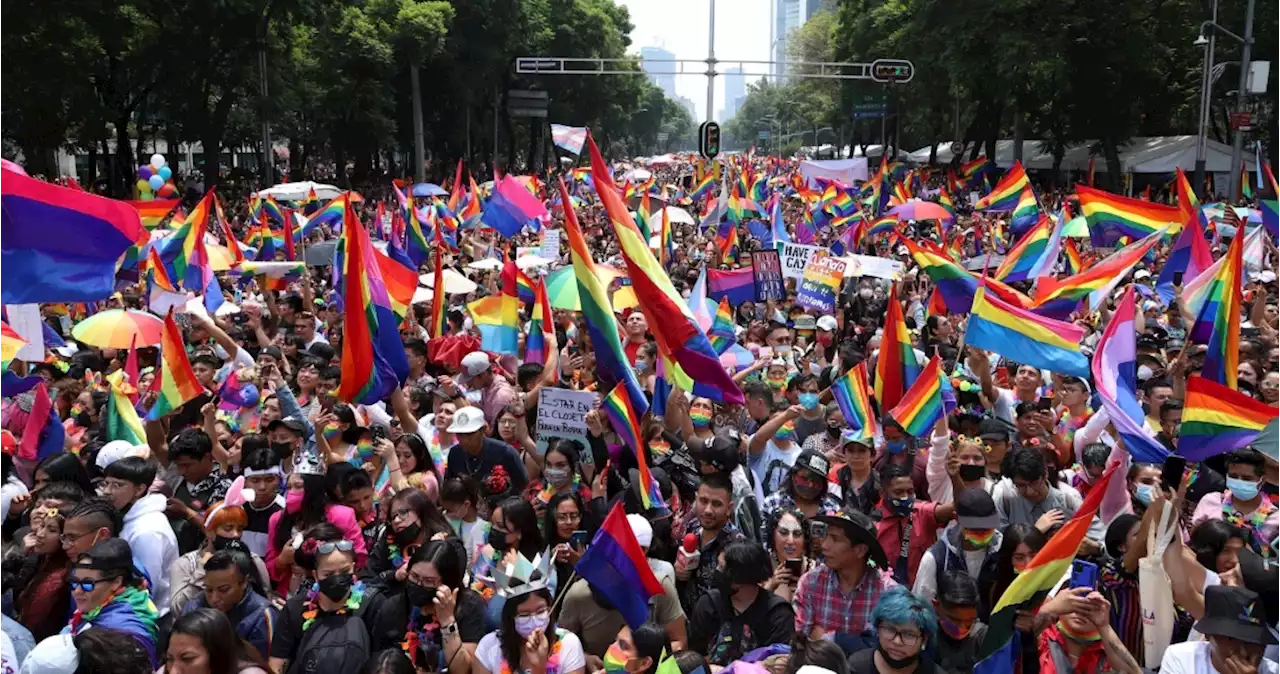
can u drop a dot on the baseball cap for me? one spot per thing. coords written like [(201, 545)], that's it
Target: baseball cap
[(474, 363), (293, 423), (721, 452), (641, 529), (1234, 612), (827, 323), (118, 449), (813, 461), (849, 436), (55, 655), (467, 420), (993, 430), (1141, 274), (975, 509)]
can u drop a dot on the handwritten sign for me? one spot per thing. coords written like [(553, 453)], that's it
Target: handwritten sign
[(795, 257), (550, 244), (867, 265), (821, 281), (562, 413), (768, 272)]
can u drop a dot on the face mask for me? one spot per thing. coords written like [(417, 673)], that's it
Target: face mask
[(408, 534), (455, 523), (1144, 372), (499, 543), (903, 506), (895, 663), (809, 401), (700, 418), (557, 476), (953, 630), (525, 625), (979, 538), (293, 502), (641, 367), (336, 587), (720, 580), (282, 449), (971, 473), (806, 492), (1144, 493), (1243, 490), (865, 293), (825, 340), (834, 429), (419, 595), (233, 544), (615, 660), (896, 446)]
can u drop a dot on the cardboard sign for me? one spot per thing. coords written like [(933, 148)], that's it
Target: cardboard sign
[(821, 282), (550, 244), (795, 257), (867, 265), (562, 413), (769, 281)]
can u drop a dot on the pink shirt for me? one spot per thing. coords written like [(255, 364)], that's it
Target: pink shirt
[(339, 516)]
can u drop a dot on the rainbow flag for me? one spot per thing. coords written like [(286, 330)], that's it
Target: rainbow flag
[(1074, 261), (612, 365), (970, 169), (1112, 216), (471, 213), (625, 408), (447, 222), (1217, 419), (726, 241), (456, 190), (10, 342), (312, 203), (956, 284), (176, 383), (156, 274), (705, 187), (1058, 298), (183, 252), (399, 282), (1188, 203), (438, 296), (497, 317), (540, 343), (524, 287), (1025, 337), (1218, 321), (1270, 210), (925, 402), (721, 331), (879, 227), (1023, 259), (373, 358), (1045, 571), (1007, 193), (852, 393), (153, 212), (664, 240), (330, 214), (642, 217), (269, 207), (896, 367), (678, 336), (945, 200), (120, 419), (1026, 213)]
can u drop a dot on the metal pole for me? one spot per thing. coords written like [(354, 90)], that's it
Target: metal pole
[(262, 92), (711, 64), (419, 137), (1206, 89), (1237, 143)]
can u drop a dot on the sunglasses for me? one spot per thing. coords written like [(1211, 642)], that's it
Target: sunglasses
[(331, 546), (87, 585)]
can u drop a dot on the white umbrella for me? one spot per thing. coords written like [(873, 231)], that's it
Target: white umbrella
[(486, 263), (422, 295), (298, 191), (674, 214), (637, 175), (531, 261), (454, 283)]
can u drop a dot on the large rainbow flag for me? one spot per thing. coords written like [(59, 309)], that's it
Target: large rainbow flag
[(120, 418), (1217, 419), (679, 338), (497, 317), (1021, 262), (1112, 217), (176, 383), (1025, 337), (625, 408), (896, 366), (1218, 322), (1057, 298), (852, 393), (153, 212), (957, 285), (1026, 213), (540, 343), (1006, 194), (926, 402)]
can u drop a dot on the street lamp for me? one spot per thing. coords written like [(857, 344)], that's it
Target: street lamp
[(1237, 144)]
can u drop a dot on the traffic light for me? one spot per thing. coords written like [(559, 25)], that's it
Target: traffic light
[(709, 140), (894, 71)]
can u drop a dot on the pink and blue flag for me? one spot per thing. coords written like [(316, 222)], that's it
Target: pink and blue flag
[(1115, 373), (739, 285), (511, 207)]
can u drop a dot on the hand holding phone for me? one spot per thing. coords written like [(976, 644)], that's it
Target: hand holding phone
[(1084, 574), (1171, 473)]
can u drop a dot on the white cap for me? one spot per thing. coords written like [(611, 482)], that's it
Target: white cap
[(55, 655), (118, 449), (467, 420), (1267, 276), (827, 323), (641, 529), (474, 363), (1140, 274)]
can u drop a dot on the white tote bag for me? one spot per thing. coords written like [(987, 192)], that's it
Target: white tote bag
[(1155, 590)]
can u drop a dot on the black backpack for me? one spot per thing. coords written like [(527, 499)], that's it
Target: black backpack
[(334, 647)]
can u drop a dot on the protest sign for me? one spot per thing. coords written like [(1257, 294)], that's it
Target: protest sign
[(769, 283), (550, 244), (24, 319), (867, 265), (821, 281), (562, 413), (795, 257)]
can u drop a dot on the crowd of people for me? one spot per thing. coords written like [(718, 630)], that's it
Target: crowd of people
[(435, 531)]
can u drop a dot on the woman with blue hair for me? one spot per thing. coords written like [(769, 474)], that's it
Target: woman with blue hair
[(905, 627)]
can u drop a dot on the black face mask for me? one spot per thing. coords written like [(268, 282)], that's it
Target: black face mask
[(337, 586), (232, 544), (895, 663), (408, 534), (834, 429), (499, 543), (720, 580), (970, 473), (419, 595), (282, 449)]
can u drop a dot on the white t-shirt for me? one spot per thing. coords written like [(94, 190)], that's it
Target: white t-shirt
[(1192, 657), (489, 653)]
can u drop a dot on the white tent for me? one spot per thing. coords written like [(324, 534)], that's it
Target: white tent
[(876, 151), (1154, 154), (298, 191)]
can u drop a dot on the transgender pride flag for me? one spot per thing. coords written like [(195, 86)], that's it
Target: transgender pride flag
[(569, 138)]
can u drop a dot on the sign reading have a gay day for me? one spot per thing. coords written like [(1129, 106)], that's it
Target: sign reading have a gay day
[(821, 281), (769, 283)]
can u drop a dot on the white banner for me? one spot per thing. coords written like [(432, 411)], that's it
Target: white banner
[(867, 265), (795, 257)]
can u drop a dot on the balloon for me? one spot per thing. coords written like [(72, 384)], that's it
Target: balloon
[(165, 172), (157, 160), (156, 182), (167, 190), (144, 172), (146, 196), (144, 186)]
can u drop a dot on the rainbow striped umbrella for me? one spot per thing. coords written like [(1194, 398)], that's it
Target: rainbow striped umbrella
[(562, 286), (117, 329)]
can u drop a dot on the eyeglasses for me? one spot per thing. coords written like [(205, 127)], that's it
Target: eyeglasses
[(544, 613), (423, 582), (908, 638), (86, 584), (568, 517), (401, 513), (66, 539), (327, 547)]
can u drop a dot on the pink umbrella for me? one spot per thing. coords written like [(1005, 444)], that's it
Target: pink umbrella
[(920, 210)]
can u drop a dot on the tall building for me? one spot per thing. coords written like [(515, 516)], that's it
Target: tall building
[(735, 91), (689, 105), (661, 74), (788, 16)]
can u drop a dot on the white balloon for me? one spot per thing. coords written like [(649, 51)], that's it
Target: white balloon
[(157, 160)]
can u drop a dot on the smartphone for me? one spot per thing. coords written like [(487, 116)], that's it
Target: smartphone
[(1045, 403), (795, 566), (1084, 574), (579, 539), (1177, 278), (1171, 474), (378, 432)]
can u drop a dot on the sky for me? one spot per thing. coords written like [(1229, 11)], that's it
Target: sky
[(680, 26)]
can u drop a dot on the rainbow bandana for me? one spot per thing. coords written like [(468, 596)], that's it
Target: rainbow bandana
[(699, 418), (1081, 637), (979, 538), (615, 660)]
